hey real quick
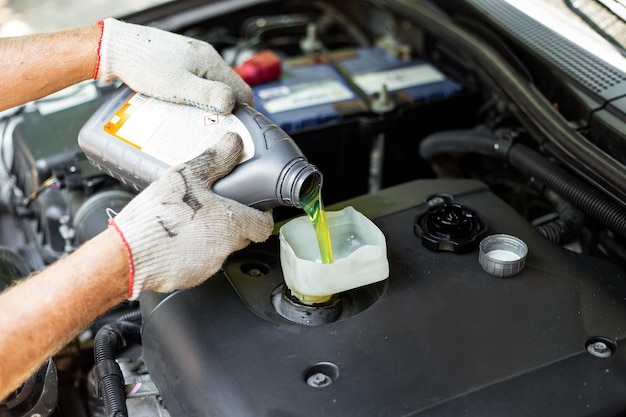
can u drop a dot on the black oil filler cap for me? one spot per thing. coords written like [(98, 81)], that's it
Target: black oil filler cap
[(449, 227)]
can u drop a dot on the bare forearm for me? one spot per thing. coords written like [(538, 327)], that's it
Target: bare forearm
[(40, 315), (35, 66)]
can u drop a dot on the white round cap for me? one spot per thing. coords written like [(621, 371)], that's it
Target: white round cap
[(502, 255)]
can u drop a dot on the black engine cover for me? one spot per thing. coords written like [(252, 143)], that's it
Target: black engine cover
[(443, 338)]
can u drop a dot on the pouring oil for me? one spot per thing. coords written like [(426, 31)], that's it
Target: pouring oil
[(313, 206)]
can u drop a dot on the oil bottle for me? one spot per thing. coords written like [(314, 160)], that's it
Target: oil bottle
[(136, 138)]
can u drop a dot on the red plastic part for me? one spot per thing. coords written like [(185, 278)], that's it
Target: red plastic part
[(262, 67)]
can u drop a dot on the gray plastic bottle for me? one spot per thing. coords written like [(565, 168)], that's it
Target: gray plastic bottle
[(135, 139)]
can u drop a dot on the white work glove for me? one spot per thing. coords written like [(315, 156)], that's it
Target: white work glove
[(168, 66), (178, 232)]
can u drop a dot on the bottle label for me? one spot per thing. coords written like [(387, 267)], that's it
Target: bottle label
[(173, 133)]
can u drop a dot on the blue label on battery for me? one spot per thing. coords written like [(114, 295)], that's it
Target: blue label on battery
[(312, 94), (306, 96), (415, 80)]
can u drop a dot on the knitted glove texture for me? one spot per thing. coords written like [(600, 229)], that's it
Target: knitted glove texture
[(178, 232), (168, 66)]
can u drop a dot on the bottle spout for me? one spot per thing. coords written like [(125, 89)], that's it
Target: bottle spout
[(301, 181)]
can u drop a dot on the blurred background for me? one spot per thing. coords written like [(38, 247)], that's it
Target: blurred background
[(23, 17)]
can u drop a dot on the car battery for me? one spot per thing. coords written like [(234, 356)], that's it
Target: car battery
[(308, 94), (411, 80)]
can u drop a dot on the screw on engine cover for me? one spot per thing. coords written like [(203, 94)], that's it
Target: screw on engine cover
[(319, 380), (255, 269), (599, 350), (255, 272), (601, 347), (321, 374)]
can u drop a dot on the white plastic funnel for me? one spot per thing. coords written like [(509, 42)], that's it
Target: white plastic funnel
[(359, 253)]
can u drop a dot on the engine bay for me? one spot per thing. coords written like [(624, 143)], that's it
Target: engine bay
[(442, 122)]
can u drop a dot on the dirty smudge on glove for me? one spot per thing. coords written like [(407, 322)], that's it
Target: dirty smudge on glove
[(188, 196), (169, 232)]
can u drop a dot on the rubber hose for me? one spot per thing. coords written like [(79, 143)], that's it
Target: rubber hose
[(533, 164), (567, 226), (132, 317), (589, 200), (113, 396), (110, 337), (108, 340), (480, 140)]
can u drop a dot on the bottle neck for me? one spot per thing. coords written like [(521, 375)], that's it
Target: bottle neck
[(300, 180)]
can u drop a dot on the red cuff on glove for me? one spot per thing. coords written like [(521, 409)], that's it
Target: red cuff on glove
[(131, 265), (97, 69)]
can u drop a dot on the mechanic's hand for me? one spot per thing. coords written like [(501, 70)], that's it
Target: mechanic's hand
[(178, 232), (169, 66)]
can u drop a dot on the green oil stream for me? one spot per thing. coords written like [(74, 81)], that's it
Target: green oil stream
[(314, 208)]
